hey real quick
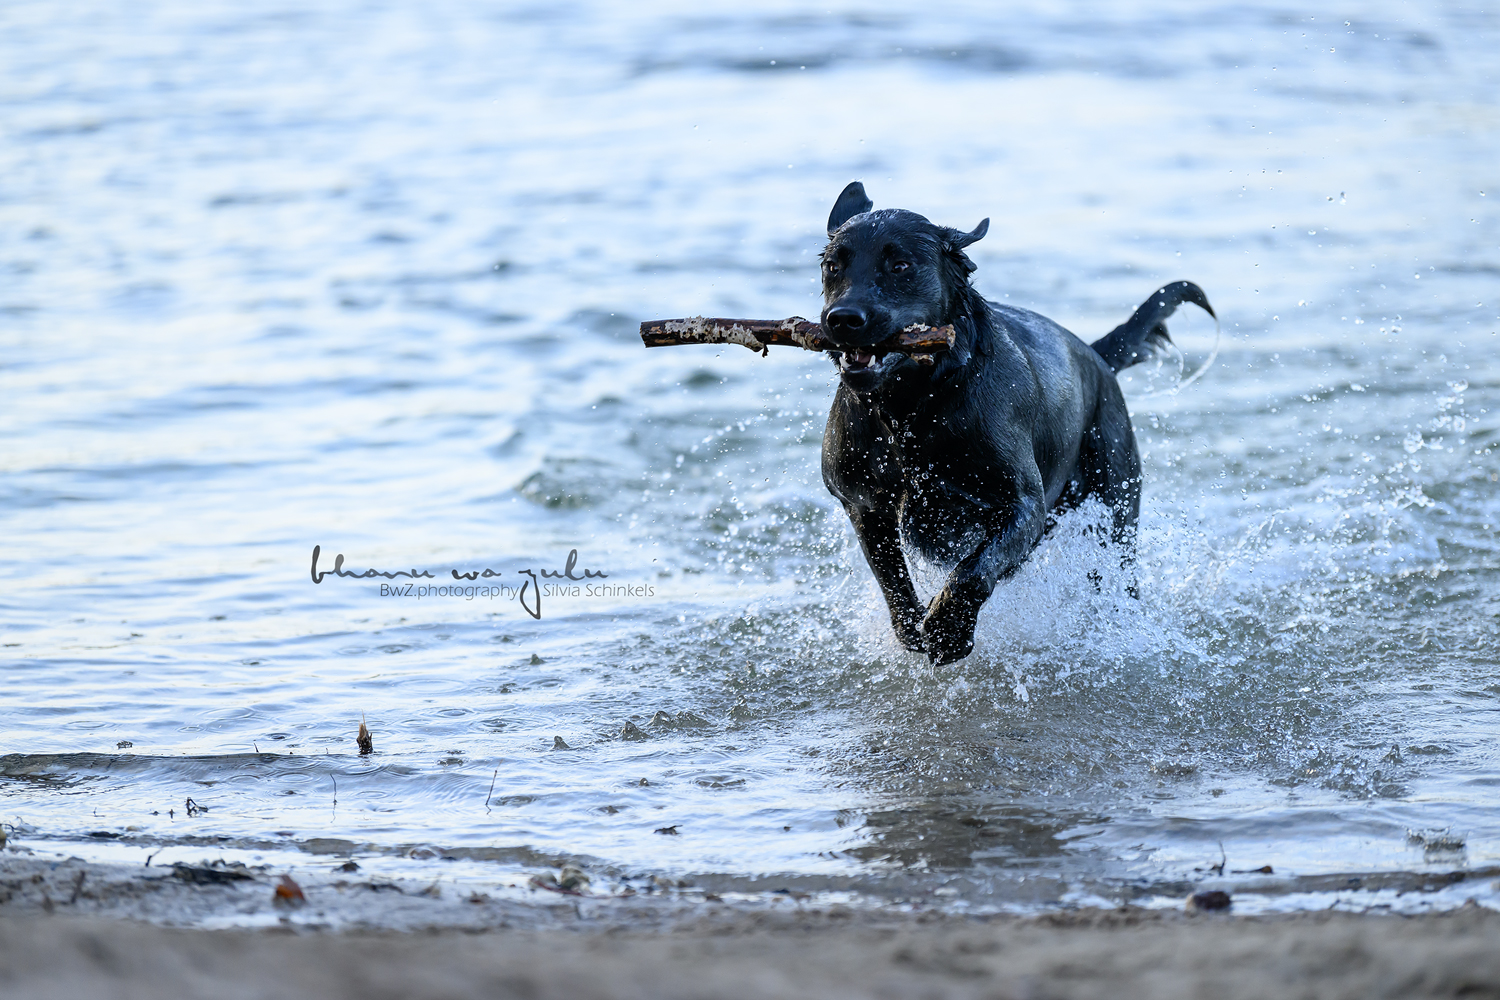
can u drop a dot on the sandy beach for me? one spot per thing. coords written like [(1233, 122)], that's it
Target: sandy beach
[(70, 929)]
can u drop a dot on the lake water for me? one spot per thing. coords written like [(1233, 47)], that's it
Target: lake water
[(368, 277)]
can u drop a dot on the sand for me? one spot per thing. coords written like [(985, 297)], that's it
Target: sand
[(550, 946)]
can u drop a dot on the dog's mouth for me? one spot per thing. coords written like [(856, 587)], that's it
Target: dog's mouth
[(857, 361)]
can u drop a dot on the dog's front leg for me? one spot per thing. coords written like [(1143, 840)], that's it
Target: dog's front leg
[(948, 629), (881, 541)]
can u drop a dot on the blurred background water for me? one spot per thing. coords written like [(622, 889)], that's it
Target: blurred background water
[(367, 276)]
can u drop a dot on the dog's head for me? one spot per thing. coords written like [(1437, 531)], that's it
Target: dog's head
[(882, 272)]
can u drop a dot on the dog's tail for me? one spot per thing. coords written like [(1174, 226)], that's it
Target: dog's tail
[(1145, 332)]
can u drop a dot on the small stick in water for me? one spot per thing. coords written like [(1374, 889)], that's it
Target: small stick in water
[(366, 741), (762, 334)]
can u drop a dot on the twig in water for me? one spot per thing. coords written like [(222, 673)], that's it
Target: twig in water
[(491, 791), (365, 740), (335, 791), (1223, 860)]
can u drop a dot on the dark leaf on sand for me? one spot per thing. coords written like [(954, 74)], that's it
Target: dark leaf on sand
[(288, 893), (1212, 901), (208, 876)]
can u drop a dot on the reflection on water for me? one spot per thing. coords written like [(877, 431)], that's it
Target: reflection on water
[(369, 279)]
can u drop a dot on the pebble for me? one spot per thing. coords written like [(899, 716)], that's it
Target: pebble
[(1211, 901)]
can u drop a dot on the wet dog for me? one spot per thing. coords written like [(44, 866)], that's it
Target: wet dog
[(965, 459)]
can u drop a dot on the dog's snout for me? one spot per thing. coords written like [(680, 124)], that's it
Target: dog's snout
[(846, 319)]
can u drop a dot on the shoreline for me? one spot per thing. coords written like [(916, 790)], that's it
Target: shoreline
[(71, 928), (1119, 954)]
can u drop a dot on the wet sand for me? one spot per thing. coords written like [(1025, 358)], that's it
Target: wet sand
[(62, 936)]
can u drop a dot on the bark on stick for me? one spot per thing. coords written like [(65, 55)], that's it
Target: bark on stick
[(761, 334)]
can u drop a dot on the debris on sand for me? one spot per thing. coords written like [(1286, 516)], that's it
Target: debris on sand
[(1211, 901), (208, 876), (572, 877), (1437, 842), (288, 893), (570, 881), (365, 740)]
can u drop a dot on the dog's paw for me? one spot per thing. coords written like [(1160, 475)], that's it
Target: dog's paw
[(911, 640), (909, 633), (948, 629), (941, 653)]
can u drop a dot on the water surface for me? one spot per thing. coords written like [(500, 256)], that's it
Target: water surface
[(368, 277)]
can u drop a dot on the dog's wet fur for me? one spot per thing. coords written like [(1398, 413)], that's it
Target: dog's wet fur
[(965, 459)]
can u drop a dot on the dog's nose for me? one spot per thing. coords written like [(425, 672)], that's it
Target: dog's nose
[(845, 319)]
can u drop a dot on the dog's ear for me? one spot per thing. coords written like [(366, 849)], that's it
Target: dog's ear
[(852, 202), (956, 240)]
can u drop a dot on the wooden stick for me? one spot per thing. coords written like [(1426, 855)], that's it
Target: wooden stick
[(762, 334)]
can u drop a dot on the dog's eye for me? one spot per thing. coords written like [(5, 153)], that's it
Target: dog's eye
[(901, 267)]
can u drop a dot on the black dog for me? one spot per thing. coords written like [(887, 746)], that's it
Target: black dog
[(965, 459)]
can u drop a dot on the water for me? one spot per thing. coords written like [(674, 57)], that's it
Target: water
[(368, 276)]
